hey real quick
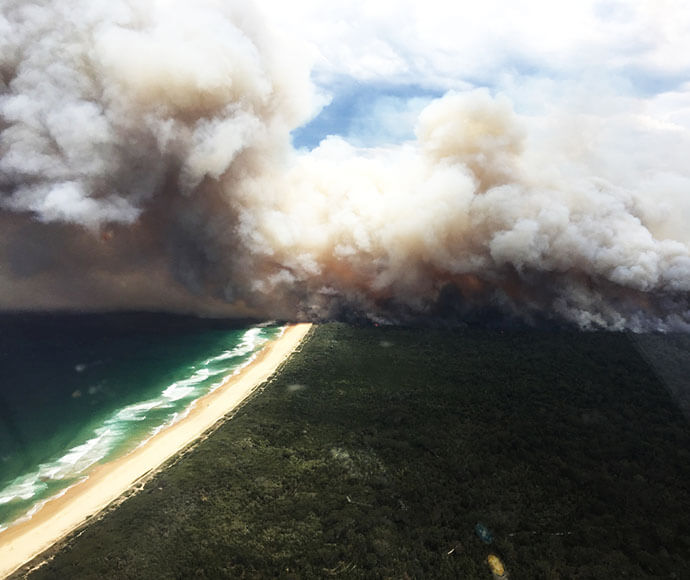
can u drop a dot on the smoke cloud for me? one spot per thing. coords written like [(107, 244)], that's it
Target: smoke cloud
[(146, 163)]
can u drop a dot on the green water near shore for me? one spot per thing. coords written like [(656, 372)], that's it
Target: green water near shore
[(80, 390)]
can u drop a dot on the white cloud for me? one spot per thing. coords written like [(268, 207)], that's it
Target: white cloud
[(442, 43)]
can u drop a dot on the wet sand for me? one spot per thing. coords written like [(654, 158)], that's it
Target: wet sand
[(24, 541)]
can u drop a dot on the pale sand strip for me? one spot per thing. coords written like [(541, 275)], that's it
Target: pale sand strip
[(24, 541)]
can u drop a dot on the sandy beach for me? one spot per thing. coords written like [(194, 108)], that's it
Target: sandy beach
[(24, 541)]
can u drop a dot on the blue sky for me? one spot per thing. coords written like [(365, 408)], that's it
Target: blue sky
[(379, 63), (368, 114)]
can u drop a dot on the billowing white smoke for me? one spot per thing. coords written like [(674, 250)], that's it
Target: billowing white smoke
[(464, 207), (145, 145), (103, 97)]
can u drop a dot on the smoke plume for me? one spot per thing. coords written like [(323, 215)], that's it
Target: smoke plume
[(145, 163)]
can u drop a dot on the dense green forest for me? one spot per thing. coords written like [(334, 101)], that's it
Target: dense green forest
[(376, 451)]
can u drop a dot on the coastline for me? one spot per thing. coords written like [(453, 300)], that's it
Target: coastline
[(60, 516)]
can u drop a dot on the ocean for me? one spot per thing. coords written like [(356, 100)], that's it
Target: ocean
[(77, 390)]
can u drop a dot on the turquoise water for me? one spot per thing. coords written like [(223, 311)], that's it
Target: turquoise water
[(79, 390)]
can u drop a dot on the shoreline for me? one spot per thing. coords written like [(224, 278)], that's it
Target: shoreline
[(60, 516)]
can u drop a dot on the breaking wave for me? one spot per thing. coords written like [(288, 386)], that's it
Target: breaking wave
[(130, 426)]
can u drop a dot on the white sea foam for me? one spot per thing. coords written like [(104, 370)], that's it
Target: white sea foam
[(136, 412), (81, 457), (158, 428), (187, 387), (70, 465), (251, 339), (113, 432), (23, 488), (38, 506), (237, 369)]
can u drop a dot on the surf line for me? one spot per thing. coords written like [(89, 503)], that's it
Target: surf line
[(21, 543), (76, 462)]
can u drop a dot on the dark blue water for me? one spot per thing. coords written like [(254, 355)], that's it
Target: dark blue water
[(77, 390)]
